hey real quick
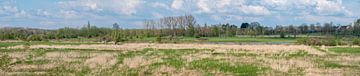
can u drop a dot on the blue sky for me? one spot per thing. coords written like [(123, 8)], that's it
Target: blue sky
[(52, 14)]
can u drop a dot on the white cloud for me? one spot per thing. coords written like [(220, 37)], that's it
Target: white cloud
[(161, 5), (255, 10), (318, 7), (127, 7), (13, 11), (325, 7), (177, 4), (69, 14), (208, 6), (221, 6)]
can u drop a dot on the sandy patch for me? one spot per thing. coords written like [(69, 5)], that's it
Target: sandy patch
[(101, 61)]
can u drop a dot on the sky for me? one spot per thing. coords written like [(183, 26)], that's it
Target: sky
[(53, 14)]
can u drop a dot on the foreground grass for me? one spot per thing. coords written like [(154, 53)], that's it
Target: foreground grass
[(238, 69), (349, 50), (169, 62)]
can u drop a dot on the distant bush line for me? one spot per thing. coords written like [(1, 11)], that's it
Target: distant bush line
[(186, 26)]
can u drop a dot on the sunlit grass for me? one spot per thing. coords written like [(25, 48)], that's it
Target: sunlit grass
[(349, 50)]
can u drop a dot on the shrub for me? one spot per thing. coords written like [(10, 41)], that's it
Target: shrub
[(319, 41), (158, 39), (35, 38), (356, 41), (302, 41), (282, 35), (330, 42), (4, 60)]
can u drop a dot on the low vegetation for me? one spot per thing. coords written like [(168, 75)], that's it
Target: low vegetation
[(348, 50), (181, 61)]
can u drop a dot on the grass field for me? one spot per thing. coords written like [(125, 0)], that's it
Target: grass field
[(226, 39), (139, 59), (78, 41), (9, 44)]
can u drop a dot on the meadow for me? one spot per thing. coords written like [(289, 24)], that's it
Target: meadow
[(79, 57)]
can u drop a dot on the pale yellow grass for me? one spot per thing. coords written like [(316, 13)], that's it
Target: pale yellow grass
[(32, 67), (176, 72), (259, 49), (102, 61), (138, 61)]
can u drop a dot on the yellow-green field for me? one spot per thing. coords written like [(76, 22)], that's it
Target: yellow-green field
[(147, 59)]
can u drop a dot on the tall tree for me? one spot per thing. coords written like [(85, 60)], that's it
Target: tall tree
[(357, 28), (116, 26)]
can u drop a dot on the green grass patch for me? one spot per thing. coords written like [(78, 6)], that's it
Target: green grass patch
[(345, 50), (11, 50), (223, 39), (319, 49), (177, 63), (236, 54), (37, 62), (301, 53), (333, 65), (330, 64), (171, 52), (211, 64), (4, 61), (9, 44), (250, 39), (129, 54)]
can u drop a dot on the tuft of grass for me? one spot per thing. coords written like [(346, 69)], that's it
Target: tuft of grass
[(171, 52), (211, 64), (333, 65), (177, 63), (129, 54), (37, 62), (11, 50), (4, 61), (329, 64), (300, 53), (236, 54), (345, 50), (319, 49)]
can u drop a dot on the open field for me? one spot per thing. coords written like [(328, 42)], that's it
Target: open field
[(223, 39), (132, 59)]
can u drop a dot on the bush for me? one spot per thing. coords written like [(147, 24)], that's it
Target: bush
[(318, 41), (282, 35), (158, 39), (302, 41), (330, 42), (356, 41), (35, 38)]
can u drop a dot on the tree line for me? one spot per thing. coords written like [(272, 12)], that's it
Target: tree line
[(179, 26)]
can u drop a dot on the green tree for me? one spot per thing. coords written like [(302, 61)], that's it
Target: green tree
[(356, 30)]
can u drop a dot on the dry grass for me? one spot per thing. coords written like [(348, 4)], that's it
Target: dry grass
[(102, 61), (165, 59), (264, 49)]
